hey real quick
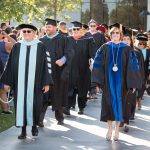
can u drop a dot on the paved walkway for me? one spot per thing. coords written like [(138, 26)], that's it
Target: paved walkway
[(84, 132)]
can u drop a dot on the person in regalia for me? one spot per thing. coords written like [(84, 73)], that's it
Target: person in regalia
[(141, 46), (115, 73), (99, 40), (28, 74), (61, 54), (79, 75), (130, 104)]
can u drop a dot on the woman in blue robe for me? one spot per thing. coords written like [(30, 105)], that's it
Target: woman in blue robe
[(115, 72)]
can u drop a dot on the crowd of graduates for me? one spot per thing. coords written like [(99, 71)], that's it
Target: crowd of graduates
[(65, 67)]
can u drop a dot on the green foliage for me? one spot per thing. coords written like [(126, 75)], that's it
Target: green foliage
[(127, 13), (37, 9), (6, 120)]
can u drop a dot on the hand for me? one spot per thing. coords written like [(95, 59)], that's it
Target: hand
[(91, 61), (134, 89), (59, 63), (7, 88), (98, 89), (45, 89)]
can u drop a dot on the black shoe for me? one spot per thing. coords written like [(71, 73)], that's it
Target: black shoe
[(61, 122), (41, 124), (81, 111), (22, 136), (34, 131), (7, 112), (126, 129), (132, 118), (66, 111)]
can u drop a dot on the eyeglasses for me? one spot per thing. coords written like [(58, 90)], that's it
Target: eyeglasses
[(115, 32), (26, 31), (142, 44), (76, 29), (92, 26)]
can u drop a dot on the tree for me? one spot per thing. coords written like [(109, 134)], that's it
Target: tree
[(127, 12), (54, 8), (37, 9)]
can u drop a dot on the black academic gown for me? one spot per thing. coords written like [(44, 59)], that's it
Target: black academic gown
[(80, 73), (130, 104), (99, 40), (58, 47), (42, 78), (115, 84), (146, 70)]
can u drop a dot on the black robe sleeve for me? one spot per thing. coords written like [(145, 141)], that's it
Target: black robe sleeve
[(47, 77), (134, 76), (91, 47), (148, 63), (98, 71), (68, 53), (141, 64)]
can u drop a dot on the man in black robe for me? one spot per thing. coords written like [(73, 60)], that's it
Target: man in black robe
[(79, 78), (61, 55), (99, 40), (28, 73)]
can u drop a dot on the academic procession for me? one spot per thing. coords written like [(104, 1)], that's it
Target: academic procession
[(79, 84)]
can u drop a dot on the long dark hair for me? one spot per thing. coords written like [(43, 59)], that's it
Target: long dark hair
[(131, 44), (128, 35)]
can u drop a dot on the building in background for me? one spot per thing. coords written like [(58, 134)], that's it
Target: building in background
[(130, 13), (127, 12), (148, 16)]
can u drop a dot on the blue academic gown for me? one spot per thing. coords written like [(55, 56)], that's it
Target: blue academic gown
[(115, 84)]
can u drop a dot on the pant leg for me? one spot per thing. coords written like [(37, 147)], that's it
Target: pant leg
[(43, 112), (59, 114), (24, 130), (127, 108), (82, 102), (141, 92), (72, 99), (133, 106)]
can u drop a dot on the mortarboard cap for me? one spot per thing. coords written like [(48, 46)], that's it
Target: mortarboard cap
[(118, 25), (142, 37), (105, 25), (130, 32), (114, 25), (22, 26), (85, 26), (127, 31), (77, 24), (51, 22)]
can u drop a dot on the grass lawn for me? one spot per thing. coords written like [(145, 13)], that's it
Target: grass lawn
[(6, 120)]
